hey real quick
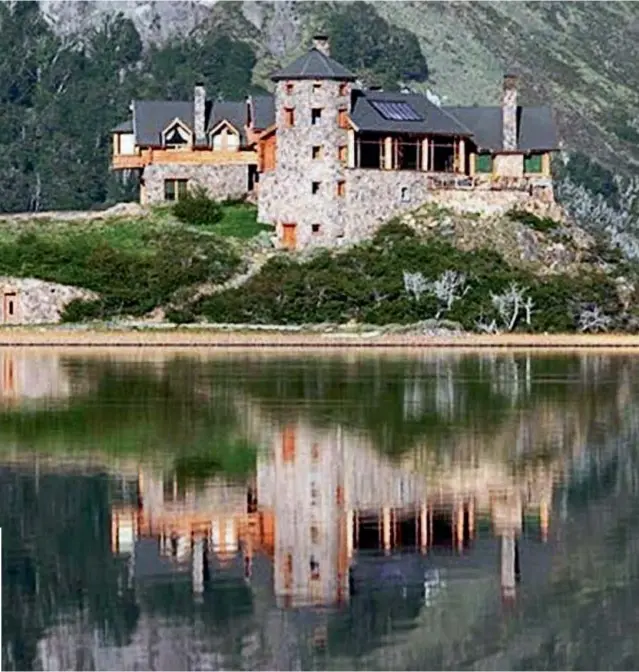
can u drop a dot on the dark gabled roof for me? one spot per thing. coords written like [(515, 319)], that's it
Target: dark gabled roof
[(263, 112), (233, 112), (151, 117), (537, 130), (124, 127), (433, 119), (314, 65)]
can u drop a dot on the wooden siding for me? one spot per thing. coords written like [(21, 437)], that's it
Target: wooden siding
[(147, 157), (266, 153)]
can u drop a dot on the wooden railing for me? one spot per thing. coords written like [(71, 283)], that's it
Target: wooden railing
[(178, 156)]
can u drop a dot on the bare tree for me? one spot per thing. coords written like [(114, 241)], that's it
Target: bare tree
[(415, 284), (593, 320), (448, 288), (510, 304)]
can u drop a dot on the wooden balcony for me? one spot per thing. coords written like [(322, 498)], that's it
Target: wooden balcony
[(198, 157), (127, 161)]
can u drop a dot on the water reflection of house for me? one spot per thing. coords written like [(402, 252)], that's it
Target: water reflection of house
[(27, 376), (323, 507)]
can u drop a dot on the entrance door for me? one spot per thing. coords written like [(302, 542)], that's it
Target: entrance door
[(289, 237), (10, 307)]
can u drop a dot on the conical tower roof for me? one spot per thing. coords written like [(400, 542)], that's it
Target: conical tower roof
[(314, 65)]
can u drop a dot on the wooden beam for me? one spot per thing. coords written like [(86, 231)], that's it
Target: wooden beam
[(388, 153)]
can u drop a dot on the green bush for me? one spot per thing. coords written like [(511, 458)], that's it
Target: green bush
[(541, 224), (198, 208), (366, 283)]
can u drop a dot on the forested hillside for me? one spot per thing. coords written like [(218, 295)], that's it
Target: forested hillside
[(69, 71)]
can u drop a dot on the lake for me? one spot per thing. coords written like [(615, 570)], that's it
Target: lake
[(238, 510)]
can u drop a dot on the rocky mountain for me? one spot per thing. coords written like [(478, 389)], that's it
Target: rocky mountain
[(581, 57)]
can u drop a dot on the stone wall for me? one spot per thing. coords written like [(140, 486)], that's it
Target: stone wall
[(30, 301), (508, 165), (375, 196), (286, 194), (227, 181)]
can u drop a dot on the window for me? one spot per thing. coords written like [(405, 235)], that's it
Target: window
[(315, 447), (316, 115), (405, 196), (532, 163), (289, 116), (341, 188), (315, 228), (176, 137), (174, 190), (314, 534), (342, 120), (317, 152), (315, 568), (289, 88), (342, 153), (343, 89), (484, 163), (315, 187), (317, 86)]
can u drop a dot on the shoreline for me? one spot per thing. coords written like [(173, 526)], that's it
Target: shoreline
[(188, 338)]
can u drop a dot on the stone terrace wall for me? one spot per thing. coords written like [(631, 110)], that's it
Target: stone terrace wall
[(230, 181), (36, 301), (374, 196)]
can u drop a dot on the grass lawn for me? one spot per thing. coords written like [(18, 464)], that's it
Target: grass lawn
[(240, 221)]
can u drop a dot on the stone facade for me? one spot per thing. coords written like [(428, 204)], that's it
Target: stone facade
[(223, 181), (509, 113), (30, 301), (286, 195), (508, 165)]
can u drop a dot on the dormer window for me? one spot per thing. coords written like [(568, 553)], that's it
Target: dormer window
[(176, 136)]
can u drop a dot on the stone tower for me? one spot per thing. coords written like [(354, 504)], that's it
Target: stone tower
[(306, 192)]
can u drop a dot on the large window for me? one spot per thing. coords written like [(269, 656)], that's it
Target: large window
[(174, 189), (484, 163), (532, 163)]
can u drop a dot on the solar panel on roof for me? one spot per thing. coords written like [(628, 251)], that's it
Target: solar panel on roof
[(396, 111)]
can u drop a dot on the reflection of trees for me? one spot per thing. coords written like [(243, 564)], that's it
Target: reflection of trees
[(57, 560)]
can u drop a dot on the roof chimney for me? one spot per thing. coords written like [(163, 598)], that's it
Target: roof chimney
[(322, 43), (199, 112), (509, 113)]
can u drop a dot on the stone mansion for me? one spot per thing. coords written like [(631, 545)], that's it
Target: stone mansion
[(328, 161)]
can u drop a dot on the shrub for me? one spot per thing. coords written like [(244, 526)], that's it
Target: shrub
[(541, 224), (180, 316), (198, 209)]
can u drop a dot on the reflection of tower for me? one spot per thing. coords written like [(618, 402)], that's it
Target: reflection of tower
[(507, 520), (311, 555)]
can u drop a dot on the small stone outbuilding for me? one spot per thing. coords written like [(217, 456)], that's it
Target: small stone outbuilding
[(31, 301)]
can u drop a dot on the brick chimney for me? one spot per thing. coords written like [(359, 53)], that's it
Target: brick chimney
[(199, 113), (322, 43), (509, 113)]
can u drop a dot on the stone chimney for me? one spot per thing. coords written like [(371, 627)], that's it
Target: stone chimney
[(509, 113), (322, 43), (199, 113)]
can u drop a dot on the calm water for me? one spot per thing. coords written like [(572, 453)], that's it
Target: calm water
[(345, 512)]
